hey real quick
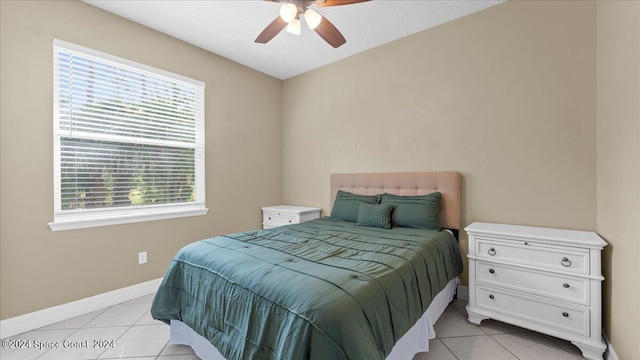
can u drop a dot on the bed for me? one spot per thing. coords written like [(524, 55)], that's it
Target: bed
[(323, 289)]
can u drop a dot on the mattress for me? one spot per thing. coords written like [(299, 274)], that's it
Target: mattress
[(317, 290)]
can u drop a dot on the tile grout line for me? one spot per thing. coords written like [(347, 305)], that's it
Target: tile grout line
[(164, 347), (504, 347), (121, 335), (73, 332), (451, 351)]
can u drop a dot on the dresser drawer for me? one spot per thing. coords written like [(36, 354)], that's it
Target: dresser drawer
[(549, 285), (569, 318), (532, 254)]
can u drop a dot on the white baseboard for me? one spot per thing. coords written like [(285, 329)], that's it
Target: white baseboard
[(610, 353), (37, 319), (463, 293)]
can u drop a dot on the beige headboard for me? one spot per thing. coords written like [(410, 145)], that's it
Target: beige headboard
[(418, 183)]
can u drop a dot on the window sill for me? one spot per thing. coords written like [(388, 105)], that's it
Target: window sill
[(95, 220)]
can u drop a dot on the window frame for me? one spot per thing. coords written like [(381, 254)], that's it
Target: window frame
[(87, 218)]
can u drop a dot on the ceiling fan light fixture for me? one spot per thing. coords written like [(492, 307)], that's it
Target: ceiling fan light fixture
[(313, 18), (294, 27), (291, 13), (288, 12)]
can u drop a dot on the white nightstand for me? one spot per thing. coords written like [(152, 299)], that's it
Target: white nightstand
[(546, 280), (280, 215)]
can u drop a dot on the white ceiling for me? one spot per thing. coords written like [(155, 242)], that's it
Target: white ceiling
[(229, 28)]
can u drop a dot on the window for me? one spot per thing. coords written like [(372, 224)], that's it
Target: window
[(128, 141)]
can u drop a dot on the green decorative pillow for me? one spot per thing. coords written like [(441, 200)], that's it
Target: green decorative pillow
[(346, 206), (375, 215), (414, 211)]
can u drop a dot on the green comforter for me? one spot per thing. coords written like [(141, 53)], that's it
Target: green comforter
[(322, 289)]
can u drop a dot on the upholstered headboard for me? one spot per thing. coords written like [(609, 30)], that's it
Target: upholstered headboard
[(418, 183)]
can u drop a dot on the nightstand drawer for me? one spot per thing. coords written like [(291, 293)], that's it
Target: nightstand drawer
[(532, 254), (540, 283), (275, 218), (570, 318)]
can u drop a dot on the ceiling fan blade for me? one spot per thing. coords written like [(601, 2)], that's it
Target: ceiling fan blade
[(330, 33), (338, 2), (271, 30)]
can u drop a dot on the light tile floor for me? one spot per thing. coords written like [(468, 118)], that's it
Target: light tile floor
[(136, 336)]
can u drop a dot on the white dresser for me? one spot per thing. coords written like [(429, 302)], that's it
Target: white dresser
[(280, 215), (546, 280)]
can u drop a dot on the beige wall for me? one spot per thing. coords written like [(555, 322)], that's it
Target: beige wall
[(618, 176), (506, 96), (41, 268)]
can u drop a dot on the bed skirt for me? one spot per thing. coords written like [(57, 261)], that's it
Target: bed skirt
[(416, 340)]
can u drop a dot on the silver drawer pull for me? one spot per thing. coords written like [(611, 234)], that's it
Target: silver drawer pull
[(565, 314), (492, 251), (492, 271), (566, 286), (491, 297), (565, 262)]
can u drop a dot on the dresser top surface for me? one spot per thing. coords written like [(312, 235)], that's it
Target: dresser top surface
[(573, 237)]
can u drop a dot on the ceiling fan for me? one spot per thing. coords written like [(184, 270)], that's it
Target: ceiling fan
[(290, 16)]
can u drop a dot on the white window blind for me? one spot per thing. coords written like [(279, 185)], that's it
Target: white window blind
[(128, 141)]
